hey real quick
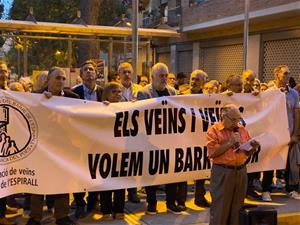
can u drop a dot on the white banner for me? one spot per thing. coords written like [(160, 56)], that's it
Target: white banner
[(63, 145)]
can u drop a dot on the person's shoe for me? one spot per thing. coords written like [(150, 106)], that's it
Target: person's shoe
[(133, 197), (151, 210), (26, 214), (280, 183), (251, 194), (49, 212), (181, 207), (173, 209), (266, 196), (107, 217), (93, 209), (294, 195), (11, 202), (119, 216), (4, 221), (73, 205), (80, 212), (65, 221), (142, 191), (32, 221), (10, 210), (257, 185), (202, 202)]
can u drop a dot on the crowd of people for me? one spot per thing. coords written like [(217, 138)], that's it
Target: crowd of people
[(164, 83)]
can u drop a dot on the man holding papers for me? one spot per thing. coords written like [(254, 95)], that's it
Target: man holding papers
[(229, 173)]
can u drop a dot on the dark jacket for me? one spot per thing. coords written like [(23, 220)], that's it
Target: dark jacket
[(67, 93), (149, 92), (79, 90), (70, 94)]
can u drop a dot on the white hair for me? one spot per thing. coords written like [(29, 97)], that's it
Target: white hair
[(157, 67), (196, 72)]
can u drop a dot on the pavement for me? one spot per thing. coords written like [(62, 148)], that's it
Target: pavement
[(288, 212)]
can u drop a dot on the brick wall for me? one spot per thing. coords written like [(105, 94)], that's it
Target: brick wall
[(217, 9)]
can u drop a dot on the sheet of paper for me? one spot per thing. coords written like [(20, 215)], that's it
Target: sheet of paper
[(247, 146)]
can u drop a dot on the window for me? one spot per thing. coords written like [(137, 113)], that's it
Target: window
[(196, 2)]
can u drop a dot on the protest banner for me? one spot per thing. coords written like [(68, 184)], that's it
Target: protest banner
[(86, 146)]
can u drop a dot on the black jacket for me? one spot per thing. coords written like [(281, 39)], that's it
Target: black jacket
[(70, 94), (79, 90)]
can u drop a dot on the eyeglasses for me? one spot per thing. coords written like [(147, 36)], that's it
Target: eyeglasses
[(116, 91), (286, 73), (3, 71), (126, 71), (233, 120)]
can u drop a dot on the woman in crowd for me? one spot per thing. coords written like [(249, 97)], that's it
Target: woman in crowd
[(112, 93)]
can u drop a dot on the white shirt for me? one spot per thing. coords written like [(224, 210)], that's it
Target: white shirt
[(127, 93)]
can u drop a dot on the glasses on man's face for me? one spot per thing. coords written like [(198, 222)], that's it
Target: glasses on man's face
[(116, 92), (233, 120), (3, 71), (286, 73), (126, 71)]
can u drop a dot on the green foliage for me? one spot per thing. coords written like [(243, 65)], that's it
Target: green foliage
[(41, 53), (110, 12), (60, 11)]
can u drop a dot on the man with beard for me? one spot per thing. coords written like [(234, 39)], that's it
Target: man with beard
[(159, 88), (197, 80)]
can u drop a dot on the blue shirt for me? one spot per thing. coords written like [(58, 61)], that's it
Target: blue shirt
[(90, 95), (292, 103)]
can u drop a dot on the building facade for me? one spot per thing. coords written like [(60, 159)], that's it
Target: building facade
[(212, 35)]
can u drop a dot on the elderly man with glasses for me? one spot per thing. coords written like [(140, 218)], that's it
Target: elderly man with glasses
[(229, 173)]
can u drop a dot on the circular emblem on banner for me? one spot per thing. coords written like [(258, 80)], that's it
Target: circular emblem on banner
[(18, 131)]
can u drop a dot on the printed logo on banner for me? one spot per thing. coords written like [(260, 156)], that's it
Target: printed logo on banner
[(18, 131)]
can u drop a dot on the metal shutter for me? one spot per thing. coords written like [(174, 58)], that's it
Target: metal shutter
[(185, 62), (164, 58), (279, 52), (221, 61)]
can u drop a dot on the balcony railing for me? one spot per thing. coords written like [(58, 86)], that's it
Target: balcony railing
[(151, 21), (174, 16)]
